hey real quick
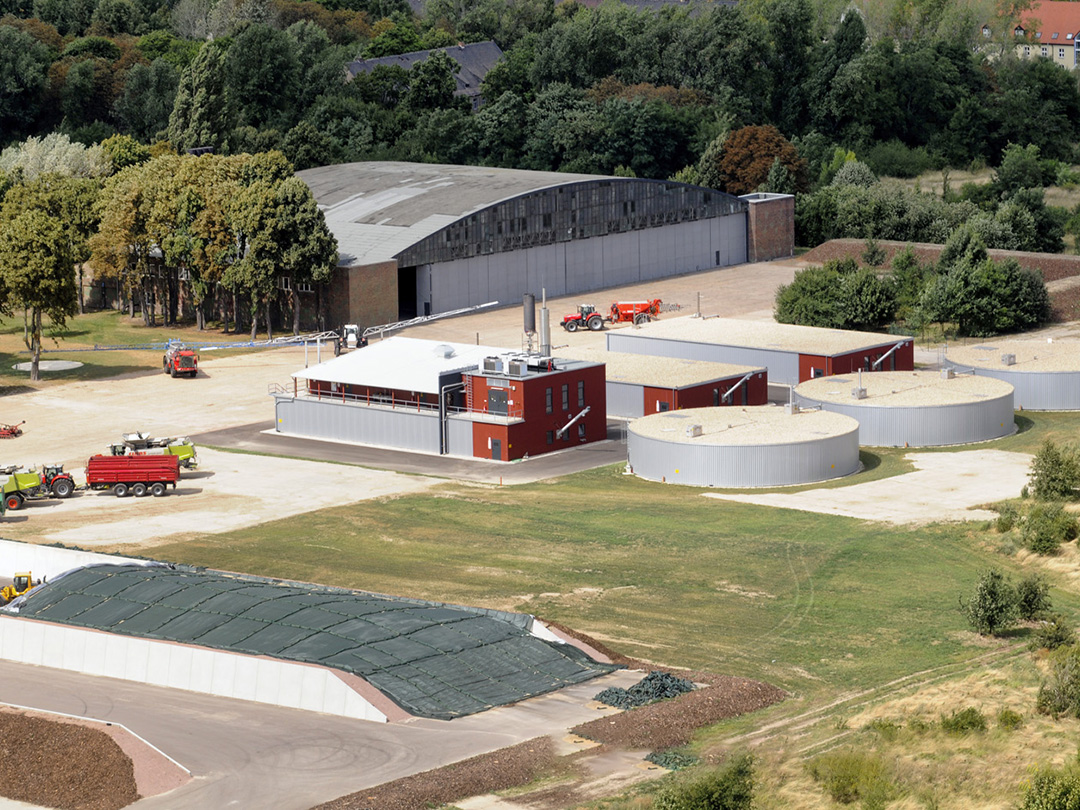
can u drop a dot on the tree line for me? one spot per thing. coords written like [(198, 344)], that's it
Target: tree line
[(225, 238), (606, 89)]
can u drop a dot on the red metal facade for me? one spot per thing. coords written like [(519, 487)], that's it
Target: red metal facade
[(706, 395), (814, 365), (533, 426)]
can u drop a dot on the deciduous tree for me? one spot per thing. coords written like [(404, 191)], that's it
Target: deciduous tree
[(38, 275)]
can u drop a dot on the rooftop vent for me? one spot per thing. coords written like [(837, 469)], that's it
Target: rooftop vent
[(1008, 359), (444, 350), (858, 393), (948, 373), (693, 431)]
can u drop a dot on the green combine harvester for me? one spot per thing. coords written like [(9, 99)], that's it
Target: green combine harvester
[(145, 444)]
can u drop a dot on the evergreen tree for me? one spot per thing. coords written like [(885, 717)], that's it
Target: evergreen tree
[(201, 114)]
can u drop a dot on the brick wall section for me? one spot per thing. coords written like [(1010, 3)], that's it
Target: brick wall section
[(365, 294), (771, 227)]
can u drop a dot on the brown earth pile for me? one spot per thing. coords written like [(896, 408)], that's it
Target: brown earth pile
[(63, 765), (1053, 266), (671, 723), (505, 768)]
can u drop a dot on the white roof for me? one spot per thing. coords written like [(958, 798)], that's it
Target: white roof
[(401, 364), (765, 335)]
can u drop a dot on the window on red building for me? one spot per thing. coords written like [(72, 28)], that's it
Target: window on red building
[(581, 393), (547, 402), (566, 397)]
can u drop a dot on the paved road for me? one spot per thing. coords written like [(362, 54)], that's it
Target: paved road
[(261, 438), (248, 755)]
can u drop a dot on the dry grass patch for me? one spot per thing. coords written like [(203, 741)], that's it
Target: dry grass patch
[(926, 766)]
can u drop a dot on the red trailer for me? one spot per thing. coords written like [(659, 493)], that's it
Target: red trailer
[(138, 475)]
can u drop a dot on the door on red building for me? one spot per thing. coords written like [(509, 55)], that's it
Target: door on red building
[(496, 450), (497, 402)]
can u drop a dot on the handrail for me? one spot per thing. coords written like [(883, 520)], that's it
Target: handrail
[(394, 403)]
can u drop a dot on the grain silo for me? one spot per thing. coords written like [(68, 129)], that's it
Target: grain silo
[(1045, 374), (762, 446), (915, 408)]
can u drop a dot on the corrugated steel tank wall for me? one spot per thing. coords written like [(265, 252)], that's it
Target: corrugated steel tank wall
[(710, 465), (1037, 390), (342, 422), (929, 426), (783, 366), (566, 268)]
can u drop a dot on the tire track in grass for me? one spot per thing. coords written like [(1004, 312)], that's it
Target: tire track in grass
[(856, 700)]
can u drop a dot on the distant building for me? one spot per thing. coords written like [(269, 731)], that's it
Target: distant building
[(1049, 29), (421, 239), (474, 61)]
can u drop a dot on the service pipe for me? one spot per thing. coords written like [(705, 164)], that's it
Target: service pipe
[(881, 359)]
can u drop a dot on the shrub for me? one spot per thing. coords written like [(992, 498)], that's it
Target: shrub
[(1053, 633), (1006, 519), (895, 159), (873, 254), (1055, 472), (730, 788), (848, 776), (886, 729), (854, 173), (1060, 692), (1032, 598), (992, 606), (1009, 720), (1051, 789), (837, 295), (1047, 526), (963, 721)]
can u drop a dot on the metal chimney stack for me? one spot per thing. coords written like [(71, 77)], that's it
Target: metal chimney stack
[(528, 302), (545, 326)]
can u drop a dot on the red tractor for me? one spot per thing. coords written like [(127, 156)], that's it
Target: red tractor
[(637, 312), (586, 316), (54, 479), (179, 359)]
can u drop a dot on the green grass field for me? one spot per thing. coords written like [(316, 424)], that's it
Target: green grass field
[(813, 603)]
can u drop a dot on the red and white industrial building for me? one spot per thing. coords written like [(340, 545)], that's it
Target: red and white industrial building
[(791, 353), (448, 399), (638, 385)]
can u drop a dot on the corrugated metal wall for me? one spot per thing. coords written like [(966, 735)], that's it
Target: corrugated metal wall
[(579, 266), (459, 436), (929, 426), (625, 400), (338, 421), (1037, 390), (783, 366), (705, 465)]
